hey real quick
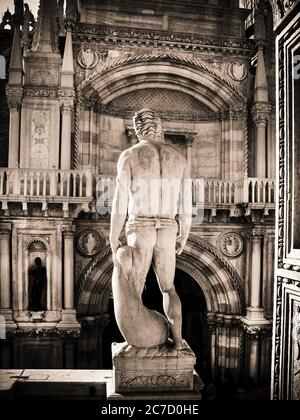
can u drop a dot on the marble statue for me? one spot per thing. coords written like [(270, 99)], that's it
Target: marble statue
[(154, 191)]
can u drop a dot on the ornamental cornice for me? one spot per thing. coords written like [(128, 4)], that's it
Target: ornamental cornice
[(163, 39), (236, 114)]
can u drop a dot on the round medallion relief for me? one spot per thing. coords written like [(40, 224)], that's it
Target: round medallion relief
[(237, 71), (88, 58), (231, 245), (90, 243)]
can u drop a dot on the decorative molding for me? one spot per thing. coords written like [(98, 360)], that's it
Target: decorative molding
[(41, 92), (39, 239), (14, 97), (168, 57), (261, 113), (43, 332), (163, 39), (68, 232), (5, 229), (281, 8), (154, 380)]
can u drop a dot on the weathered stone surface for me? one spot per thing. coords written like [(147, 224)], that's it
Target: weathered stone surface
[(159, 369)]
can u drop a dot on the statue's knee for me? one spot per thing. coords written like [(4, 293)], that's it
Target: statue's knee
[(124, 256)]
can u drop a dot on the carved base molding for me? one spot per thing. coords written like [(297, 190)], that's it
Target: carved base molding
[(159, 369)]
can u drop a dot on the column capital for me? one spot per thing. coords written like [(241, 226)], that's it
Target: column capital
[(190, 138), (260, 113), (257, 234), (14, 97), (68, 232), (5, 229)]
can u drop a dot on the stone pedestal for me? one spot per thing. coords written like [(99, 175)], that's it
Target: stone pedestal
[(158, 370)]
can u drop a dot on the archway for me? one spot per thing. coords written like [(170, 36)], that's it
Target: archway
[(219, 291)]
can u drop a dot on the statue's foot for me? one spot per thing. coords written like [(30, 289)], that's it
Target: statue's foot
[(179, 344)]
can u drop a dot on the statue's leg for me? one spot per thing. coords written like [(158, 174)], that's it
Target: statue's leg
[(141, 242), (165, 265)]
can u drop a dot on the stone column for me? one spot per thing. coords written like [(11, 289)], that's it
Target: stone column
[(189, 148), (255, 313), (14, 96), (254, 353), (66, 136), (260, 113), (68, 313), (5, 272)]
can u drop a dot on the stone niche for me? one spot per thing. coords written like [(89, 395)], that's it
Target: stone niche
[(36, 296)]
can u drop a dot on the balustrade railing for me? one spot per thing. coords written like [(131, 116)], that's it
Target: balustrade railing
[(45, 183)]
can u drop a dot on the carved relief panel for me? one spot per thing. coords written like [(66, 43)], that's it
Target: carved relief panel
[(40, 139), (286, 351)]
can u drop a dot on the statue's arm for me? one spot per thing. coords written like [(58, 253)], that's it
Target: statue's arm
[(120, 201), (185, 210)]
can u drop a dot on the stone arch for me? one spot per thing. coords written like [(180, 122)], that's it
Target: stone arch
[(217, 278), (44, 243), (201, 81)]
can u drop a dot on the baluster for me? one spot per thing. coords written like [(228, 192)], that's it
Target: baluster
[(45, 183), (68, 183), (1, 183), (80, 185), (265, 191), (53, 183), (31, 182)]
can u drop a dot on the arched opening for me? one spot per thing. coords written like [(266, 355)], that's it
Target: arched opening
[(194, 313)]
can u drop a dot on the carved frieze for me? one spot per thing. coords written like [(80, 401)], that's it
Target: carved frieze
[(40, 92), (161, 381), (163, 40)]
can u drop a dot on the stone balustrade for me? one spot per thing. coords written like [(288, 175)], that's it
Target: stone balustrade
[(214, 193), (49, 187), (80, 187), (30, 183)]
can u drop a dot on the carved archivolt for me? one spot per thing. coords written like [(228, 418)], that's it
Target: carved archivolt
[(96, 279), (42, 244), (173, 58)]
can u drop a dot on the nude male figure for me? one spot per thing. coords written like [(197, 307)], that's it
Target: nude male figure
[(145, 173)]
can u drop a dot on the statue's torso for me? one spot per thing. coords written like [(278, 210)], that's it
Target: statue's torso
[(157, 171)]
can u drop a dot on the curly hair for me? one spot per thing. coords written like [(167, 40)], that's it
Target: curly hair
[(146, 123)]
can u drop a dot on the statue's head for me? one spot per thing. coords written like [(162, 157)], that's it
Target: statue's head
[(148, 126), (38, 262)]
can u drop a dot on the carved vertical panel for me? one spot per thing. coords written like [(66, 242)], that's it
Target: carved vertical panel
[(40, 139)]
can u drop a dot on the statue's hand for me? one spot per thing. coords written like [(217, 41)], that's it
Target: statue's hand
[(181, 243), (115, 245)]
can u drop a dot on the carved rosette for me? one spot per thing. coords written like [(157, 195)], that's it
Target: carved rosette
[(261, 113)]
